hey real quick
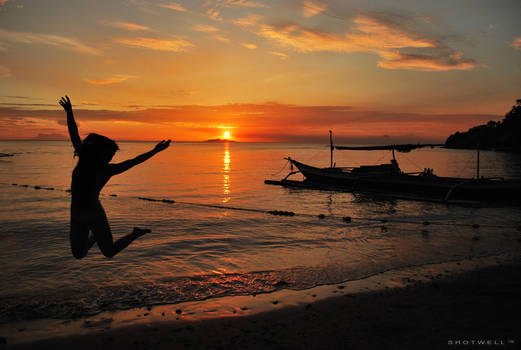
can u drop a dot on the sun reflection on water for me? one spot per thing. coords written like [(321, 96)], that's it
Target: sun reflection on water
[(226, 171)]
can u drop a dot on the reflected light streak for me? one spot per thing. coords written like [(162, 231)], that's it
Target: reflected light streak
[(226, 170)]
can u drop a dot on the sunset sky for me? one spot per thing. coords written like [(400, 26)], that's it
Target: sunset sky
[(263, 70)]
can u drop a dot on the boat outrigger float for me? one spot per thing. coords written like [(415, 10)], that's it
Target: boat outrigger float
[(388, 180)]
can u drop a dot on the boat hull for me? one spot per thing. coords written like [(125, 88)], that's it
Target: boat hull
[(428, 185)]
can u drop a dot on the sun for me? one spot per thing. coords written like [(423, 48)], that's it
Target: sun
[(226, 135)]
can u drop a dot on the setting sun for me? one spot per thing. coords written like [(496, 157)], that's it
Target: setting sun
[(226, 135)]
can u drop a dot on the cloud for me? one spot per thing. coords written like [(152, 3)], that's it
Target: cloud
[(261, 122), (51, 137), (368, 35), (4, 2), (147, 10), (173, 6), (4, 72), (213, 31), (390, 37), (213, 14), (21, 97), (47, 39), (126, 26), (249, 46), (373, 33), (214, 11), (221, 38), (234, 3), (281, 55), (205, 29), (427, 19), (396, 60), (107, 81), (312, 8), (26, 104), (88, 103), (174, 45), (517, 43)]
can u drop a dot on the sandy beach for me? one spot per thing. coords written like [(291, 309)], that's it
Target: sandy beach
[(477, 308)]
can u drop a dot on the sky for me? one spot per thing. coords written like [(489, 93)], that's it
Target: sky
[(373, 71)]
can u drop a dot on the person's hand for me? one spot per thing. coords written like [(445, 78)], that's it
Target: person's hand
[(66, 104), (162, 146)]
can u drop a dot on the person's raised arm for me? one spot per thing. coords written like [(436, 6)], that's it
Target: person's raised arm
[(71, 123), (118, 168)]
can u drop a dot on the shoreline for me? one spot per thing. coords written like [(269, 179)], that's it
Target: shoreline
[(425, 306)]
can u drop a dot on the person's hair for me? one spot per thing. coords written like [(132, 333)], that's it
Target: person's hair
[(95, 144)]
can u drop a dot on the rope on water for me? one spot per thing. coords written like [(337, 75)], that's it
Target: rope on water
[(345, 219)]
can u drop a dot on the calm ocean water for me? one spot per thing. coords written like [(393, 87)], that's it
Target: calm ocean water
[(199, 252)]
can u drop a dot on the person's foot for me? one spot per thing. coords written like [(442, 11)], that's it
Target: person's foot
[(140, 231)]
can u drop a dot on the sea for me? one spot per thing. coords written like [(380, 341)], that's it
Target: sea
[(212, 231)]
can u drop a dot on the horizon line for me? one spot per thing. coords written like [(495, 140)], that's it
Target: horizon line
[(223, 141)]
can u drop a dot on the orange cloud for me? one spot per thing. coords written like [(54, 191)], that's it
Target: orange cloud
[(205, 29), (108, 81), (47, 39), (249, 46), (377, 34), (88, 103), (213, 14), (251, 122), (173, 6), (211, 30), (396, 60), (126, 26), (221, 38), (368, 35), (234, 3), (419, 62), (517, 43), (312, 8), (175, 45), (281, 55), (4, 72), (214, 11)]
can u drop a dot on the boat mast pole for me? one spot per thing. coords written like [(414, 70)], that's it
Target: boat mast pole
[(477, 168), (331, 146)]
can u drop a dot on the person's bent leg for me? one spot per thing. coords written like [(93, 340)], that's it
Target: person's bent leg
[(101, 229), (80, 239)]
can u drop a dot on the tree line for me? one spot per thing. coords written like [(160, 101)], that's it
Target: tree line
[(503, 135)]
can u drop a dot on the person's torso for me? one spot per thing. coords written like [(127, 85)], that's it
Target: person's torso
[(86, 185)]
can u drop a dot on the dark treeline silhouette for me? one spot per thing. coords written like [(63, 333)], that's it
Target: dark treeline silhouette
[(502, 135)]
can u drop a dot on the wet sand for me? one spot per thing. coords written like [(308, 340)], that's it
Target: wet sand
[(444, 312)]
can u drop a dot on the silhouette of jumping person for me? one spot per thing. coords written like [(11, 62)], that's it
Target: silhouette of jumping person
[(91, 173)]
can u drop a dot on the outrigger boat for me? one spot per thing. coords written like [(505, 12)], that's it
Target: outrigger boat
[(389, 179)]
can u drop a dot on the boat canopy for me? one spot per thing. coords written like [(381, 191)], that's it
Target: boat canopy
[(399, 148)]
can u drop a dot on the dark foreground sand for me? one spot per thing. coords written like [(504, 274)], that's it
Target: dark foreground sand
[(482, 305)]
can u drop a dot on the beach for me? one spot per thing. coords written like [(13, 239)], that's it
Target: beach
[(474, 308)]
